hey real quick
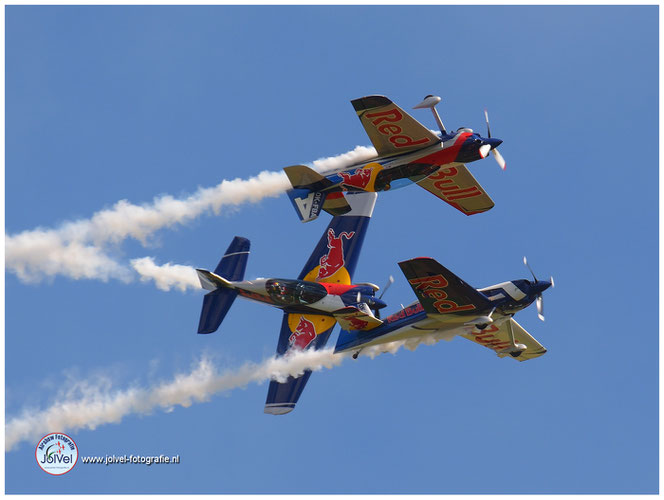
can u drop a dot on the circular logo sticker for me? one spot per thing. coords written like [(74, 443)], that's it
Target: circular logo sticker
[(56, 453)]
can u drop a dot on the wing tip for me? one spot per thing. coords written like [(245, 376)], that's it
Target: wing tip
[(279, 408), (370, 102)]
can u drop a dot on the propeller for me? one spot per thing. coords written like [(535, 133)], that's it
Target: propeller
[(539, 302), (525, 263), (499, 158), (390, 280)]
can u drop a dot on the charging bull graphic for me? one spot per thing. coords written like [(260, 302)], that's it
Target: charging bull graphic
[(358, 178), (304, 333), (334, 259)]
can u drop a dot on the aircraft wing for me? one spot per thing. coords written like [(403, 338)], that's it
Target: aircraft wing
[(333, 261), (454, 184), (390, 129), (498, 338), (440, 291)]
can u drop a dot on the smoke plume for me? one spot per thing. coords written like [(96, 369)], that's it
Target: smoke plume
[(88, 406), (80, 249)]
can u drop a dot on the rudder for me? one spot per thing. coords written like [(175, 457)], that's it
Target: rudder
[(217, 303)]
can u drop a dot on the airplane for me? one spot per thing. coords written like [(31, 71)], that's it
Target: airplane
[(321, 296), (447, 306), (407, 152)]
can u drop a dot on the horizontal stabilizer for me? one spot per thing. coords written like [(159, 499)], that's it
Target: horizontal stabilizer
[(211, 281), (303, 177), (336, 204), (352, 318), (439, 290)]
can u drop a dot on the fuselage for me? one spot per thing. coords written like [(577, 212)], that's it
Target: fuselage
[(300, 296), (392, 172)]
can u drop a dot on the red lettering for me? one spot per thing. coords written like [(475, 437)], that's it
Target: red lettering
[(427, 282), (444, 172), (402, 141), (445, 306), (389, 129), (435, 294), (430, 286), (473, 192), (391, 115)]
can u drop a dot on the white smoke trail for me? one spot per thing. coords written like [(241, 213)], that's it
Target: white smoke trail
[(97, 405), (78, 249), (166, 276), (87, 406)]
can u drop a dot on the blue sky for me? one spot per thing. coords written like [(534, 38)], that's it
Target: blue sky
[(111, 103)]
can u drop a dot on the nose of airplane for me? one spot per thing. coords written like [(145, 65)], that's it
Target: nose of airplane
[(493, 142), (378, 304), (540, 286)]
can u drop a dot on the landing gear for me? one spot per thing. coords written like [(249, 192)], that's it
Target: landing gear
[(356, 354), (481, 326)]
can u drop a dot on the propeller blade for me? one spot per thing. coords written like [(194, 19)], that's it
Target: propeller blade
[(553, 285), (540, 307), (359, 297), (390, 280), (525, 263), (499, 158), (488, 130), (484, 150)]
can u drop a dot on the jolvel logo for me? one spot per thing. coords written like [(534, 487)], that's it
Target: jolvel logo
[(56, 453)]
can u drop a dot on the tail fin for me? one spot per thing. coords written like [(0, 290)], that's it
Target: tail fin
[(308, 196), (231, 267), (307, 204)]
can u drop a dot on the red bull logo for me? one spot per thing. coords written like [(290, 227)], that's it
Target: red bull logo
[(359, 178), (334, 260), (303, 335), (357, 323)]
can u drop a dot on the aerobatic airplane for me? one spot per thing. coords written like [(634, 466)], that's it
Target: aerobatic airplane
[(448, 306), (321, 296), (407, 152)]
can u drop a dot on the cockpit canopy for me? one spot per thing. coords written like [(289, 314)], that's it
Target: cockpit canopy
[(294, 292), (464, 129)]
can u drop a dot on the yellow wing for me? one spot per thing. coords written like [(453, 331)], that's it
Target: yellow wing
[(390, 129), (454, 184), (498, 338)]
